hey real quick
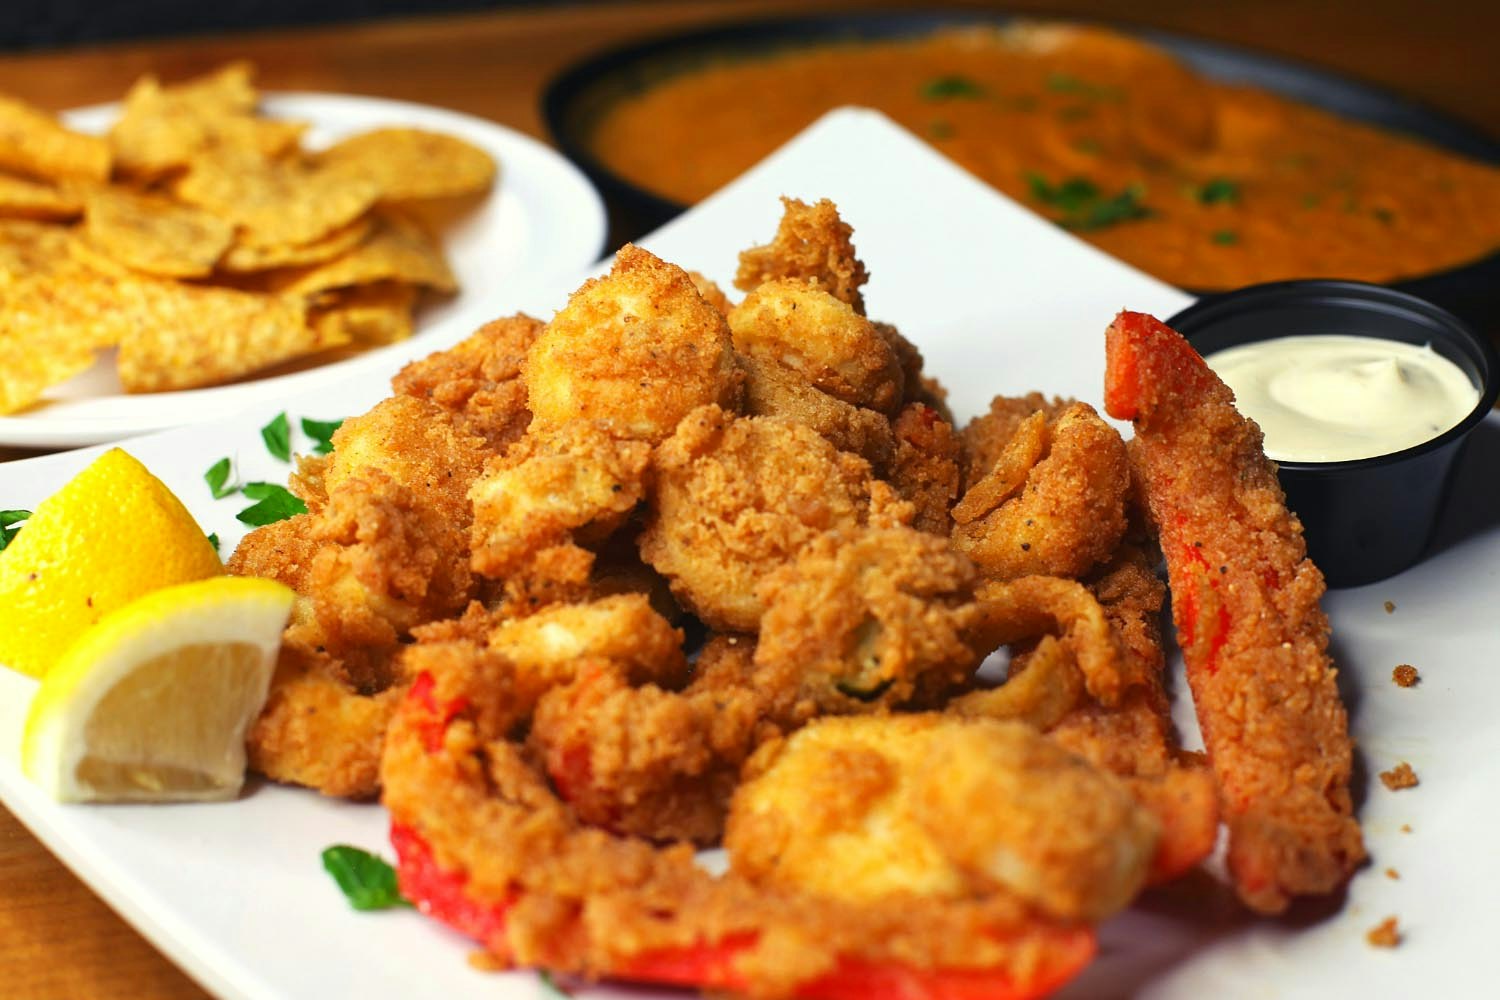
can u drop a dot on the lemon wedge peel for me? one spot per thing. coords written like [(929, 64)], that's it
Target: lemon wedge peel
[(153, 703), (111, 534)]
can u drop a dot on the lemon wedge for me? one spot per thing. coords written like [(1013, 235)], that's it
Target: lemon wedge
[(152, 704), (112, 533)]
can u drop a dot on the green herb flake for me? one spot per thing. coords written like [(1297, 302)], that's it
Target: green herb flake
[(321, 431), (1088, 147), (940, 130), (213, 539), (1311, 200), (1066, 83), (1084, 207), (368, 882), (1225, 237), (866, 694), (217, 478), (1384, 215), (278, 437), (945, 88), (1075, 113), (8, 521), (273, 503), (1219, 190)]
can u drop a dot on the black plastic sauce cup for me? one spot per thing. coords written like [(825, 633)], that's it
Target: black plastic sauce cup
[(1369, 518)]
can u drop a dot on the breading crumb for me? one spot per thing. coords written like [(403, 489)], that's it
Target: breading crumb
[(1390, 606), (1384, 934), (1392, 874), (487, 961), (1405, 675), (1399, 777), (1406, 828)]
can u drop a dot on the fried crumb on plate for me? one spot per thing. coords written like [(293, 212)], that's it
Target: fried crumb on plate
[(1399, 777), (1405, 675), (1385, 934), (1390, 607), (1392, 874)]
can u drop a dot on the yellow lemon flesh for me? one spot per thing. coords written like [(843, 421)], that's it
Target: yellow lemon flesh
[(152, 704), (111, 534)]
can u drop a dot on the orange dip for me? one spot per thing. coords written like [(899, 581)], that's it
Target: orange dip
[(1205, 185)]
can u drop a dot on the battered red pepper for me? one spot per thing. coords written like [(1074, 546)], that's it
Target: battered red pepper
[(1246, 604), (442, 894)]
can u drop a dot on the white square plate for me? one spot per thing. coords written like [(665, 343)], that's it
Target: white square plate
[(999, 301)]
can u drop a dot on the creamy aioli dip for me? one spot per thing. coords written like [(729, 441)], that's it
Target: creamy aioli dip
[(1335, 398)]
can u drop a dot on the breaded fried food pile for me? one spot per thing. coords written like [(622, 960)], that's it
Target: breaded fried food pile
[(671, 571)]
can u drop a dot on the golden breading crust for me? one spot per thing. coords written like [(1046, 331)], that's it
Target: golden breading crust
[(813, 245), (831, 347), (1065, 517), (938, 806), (554, 485), (633, 351), (736, 498), (479, 378), (866, 618)]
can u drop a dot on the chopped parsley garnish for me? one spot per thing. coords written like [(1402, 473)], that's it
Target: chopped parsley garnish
[(213, 539), (940, 130), (217, 478), (1311, 200), (273, 503), (1225, 237), (8, 521), (947, 87), (321, 431), (1065, 83), (1089, 147), (1384, 215), (1083, 206), (368, 882), (278, 437), (1219, 190)]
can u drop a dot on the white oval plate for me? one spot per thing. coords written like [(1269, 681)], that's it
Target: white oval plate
[(542, 219)]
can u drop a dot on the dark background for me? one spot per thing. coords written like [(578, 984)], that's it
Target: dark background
[(26, 24)]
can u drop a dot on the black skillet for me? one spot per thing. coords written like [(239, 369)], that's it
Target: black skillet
[(576, 98)]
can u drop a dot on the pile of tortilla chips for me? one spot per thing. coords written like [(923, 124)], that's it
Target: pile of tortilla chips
[(201, 240)]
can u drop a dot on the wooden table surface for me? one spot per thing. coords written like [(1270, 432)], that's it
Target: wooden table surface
[(57, 940)]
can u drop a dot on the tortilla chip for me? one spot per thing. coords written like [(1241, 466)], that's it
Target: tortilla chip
[(50, 327), (29, 249), (185, 336), (397, 249), (23, 199), (161, 128), (34, 143), (369, 315), (411, 164), (270, 137), (245, 258), (155, 235), (276, 201)]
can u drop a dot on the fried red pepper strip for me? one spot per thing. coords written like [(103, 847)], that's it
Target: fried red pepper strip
[(442, 893), (1246, 604)]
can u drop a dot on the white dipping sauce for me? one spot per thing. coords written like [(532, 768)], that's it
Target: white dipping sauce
[(1335, 398)]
